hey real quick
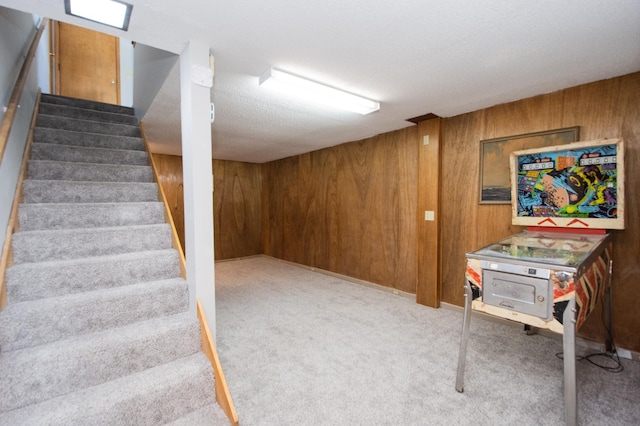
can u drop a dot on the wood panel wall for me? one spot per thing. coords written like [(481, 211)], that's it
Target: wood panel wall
[(352, 208), (605, 109), (349, 209), (170, 177), (237, 209), (237, 204)]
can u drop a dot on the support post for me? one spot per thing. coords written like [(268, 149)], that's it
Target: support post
[(429, 280), (198, 180)]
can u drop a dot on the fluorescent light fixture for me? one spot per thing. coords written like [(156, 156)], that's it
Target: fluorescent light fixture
[(299, 86), (113, 13)]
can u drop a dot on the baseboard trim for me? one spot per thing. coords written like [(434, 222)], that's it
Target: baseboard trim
[(346, 278)]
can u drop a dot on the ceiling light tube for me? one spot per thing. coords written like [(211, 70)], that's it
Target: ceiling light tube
[(292, 84), (113, 13)]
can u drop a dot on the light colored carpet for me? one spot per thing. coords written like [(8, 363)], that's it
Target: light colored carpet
[(97, 328), (299, 347)]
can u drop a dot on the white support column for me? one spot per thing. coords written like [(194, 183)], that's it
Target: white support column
[(198, 179)]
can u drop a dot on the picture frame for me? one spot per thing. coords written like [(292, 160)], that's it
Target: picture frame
[(495, 175)]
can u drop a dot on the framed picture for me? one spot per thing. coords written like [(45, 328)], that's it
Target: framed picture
[(495, 178)]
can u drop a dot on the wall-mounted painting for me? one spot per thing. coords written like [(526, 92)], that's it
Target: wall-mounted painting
[(495, 183)]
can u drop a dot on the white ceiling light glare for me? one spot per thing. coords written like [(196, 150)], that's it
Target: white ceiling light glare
[(298, 86), (113, 13)]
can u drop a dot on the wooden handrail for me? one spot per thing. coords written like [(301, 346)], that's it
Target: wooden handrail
[(7, 254), (14, 100)]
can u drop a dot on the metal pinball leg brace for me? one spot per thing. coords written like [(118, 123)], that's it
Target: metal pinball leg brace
[(569, 358), (462, 353)]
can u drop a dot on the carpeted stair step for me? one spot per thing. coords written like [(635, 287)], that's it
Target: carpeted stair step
[(86, 114), (32, 281), (59, 191), (97, 327), (85, 104), (42, 246), (88, 215), (43, 372), (47, 151), (69, 137), (62, 170), (78, 125), (151, 397), (32, 323), (208, 415)]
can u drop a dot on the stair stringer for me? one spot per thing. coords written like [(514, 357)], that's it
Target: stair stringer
[(223, 395)]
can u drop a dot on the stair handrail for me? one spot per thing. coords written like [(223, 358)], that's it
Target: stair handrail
[(6, 260), (14, 100)]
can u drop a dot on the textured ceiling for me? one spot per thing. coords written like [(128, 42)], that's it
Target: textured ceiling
[(414, 56)]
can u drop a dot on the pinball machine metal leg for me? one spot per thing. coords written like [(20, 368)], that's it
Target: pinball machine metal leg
[(607, 306), (462, 353), (569, 357)]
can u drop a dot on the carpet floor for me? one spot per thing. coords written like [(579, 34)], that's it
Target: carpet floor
[(300, 347)]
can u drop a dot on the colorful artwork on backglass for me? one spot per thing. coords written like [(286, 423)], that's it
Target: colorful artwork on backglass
[(569, 185)]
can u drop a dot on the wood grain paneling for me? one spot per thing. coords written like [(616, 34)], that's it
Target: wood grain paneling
[(349, 209), (352, 209), (237, 204), (170, 177), (605, 109), (237, 209), (612, 109)]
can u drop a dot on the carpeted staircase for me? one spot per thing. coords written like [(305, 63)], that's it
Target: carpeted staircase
[(96, 329)]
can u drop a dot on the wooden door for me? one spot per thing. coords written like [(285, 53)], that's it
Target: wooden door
[(88, 64)]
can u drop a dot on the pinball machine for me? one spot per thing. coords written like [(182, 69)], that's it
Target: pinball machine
[(554, 274)]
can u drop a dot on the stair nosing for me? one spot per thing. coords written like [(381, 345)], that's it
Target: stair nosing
[(85, 120), (146, 167), (75, 108), (80, 147), (139, 138), (47, 97)]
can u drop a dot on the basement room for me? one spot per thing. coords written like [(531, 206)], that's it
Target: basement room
[(345, 213)]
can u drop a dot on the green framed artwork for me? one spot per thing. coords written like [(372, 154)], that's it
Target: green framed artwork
[(495, 175)]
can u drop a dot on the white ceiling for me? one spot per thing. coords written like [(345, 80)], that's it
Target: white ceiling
[(445, 57)]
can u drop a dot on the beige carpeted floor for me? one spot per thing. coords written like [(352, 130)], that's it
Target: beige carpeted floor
[(300, 347)]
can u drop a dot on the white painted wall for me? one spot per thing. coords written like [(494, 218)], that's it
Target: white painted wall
[(126, 72), (152, 66), (17, 30), (42, 59), (198, 182)]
